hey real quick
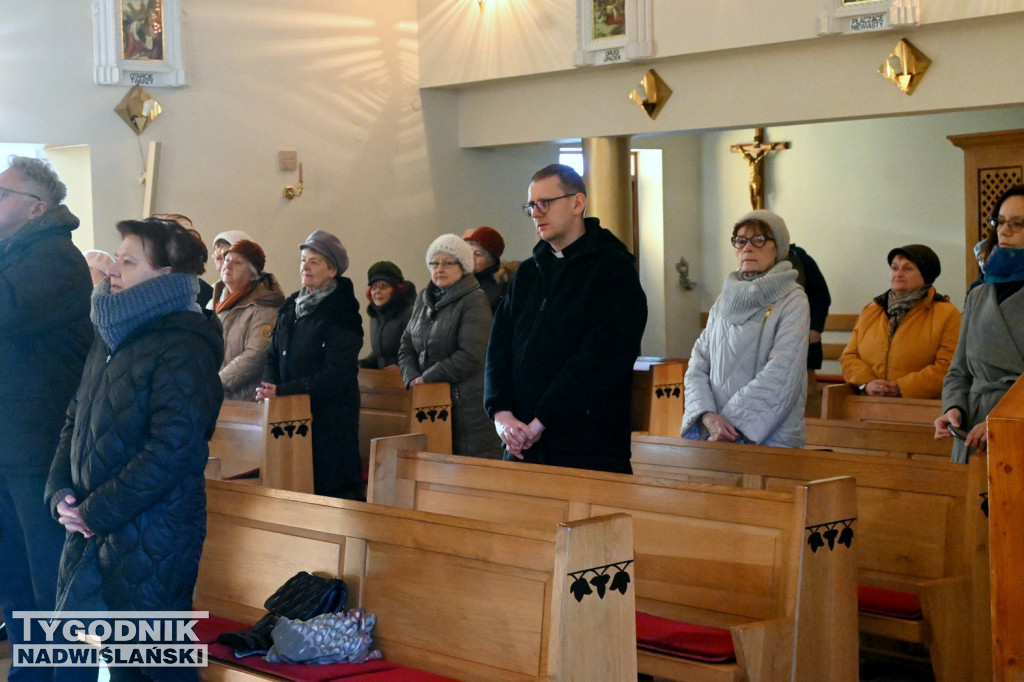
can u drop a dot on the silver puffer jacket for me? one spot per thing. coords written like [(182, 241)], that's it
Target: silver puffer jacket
[(750, 363)]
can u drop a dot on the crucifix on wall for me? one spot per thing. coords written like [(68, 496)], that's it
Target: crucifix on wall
[(755, 153)]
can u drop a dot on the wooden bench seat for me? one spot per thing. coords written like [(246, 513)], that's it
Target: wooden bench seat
[(273, 436), (707, 555), (456, 597), (921, 529)]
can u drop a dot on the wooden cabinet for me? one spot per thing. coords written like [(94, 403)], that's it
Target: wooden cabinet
[(993, 162)]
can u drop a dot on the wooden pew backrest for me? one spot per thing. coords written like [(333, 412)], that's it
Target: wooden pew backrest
[(906, 441), (657, 396), (920, 529), (840, 401), (274, 436), (457, 597), (705, 554)]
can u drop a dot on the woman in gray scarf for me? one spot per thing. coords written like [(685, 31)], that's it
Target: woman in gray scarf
[(746, 379)]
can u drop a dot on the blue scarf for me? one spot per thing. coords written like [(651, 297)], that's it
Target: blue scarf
[(1005, 265), (119, 314)]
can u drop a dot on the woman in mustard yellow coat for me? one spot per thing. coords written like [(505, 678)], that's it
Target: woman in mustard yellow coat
[(905, 338)]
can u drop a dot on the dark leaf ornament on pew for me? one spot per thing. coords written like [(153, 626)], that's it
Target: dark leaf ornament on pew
[(291, 428), (580, 587), (830, 533), (667, 390), (433, 413)]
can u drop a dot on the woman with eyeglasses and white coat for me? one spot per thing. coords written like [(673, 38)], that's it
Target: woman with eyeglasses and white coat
[(446, 340), (990, 353), (746, 380)]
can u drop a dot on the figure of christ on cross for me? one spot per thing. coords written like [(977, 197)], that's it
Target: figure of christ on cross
[(755, 154)]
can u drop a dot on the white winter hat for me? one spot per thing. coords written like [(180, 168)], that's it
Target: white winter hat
[(231, 236), (780, 233), (454, 246)]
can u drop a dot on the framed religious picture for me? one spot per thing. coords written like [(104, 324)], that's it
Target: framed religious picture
[(859, 16), (137, 42), (612, 31)]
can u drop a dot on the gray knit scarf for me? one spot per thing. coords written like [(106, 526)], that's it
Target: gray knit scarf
[(119, 314), (897, 308), (307, 301), (742, 299)]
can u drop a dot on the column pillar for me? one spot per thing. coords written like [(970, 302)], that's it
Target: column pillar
[(609, 190)]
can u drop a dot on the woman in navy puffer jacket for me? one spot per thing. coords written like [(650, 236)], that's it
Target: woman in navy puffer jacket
[(127, 479)]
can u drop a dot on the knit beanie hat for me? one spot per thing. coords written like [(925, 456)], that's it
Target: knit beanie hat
[(780, 233), (230, 236), (250, 251), (328, 246), (100, 260), (452, 245), (384, 271), (487, 237), (921, 256)]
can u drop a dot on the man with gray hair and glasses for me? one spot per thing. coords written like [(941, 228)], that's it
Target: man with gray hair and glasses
[(45, 334)]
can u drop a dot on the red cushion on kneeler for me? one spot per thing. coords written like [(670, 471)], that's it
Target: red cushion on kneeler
[(399, 675), (697, 642), (886, 602)]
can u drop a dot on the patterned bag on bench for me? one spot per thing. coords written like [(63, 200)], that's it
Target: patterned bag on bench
[(329, 638), (302, 597)]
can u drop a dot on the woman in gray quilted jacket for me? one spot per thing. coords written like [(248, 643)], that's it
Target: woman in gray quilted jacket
[(446, 340), (746, 379)]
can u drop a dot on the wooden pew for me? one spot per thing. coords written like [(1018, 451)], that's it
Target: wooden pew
[(657, 396), (273, 436), (386, 408), (709, 555), (456, 597), (1006, 490), (841, 401), (921, 529), (906, 441)]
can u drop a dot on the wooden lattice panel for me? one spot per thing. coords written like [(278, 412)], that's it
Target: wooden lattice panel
[(992, 182)]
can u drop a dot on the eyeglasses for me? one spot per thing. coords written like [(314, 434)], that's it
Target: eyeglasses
[(758, 240), (541, 206), (380, 286), (433, 265), (6, 191), (1015, 225)]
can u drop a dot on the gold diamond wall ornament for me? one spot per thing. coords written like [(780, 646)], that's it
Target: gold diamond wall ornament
[(138, 109), (905, 66), (652, 94)]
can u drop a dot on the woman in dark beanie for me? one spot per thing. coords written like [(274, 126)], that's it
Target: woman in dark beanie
[(127, 478), (488, 269), (391, 298), (446, 340), (246, 300), (905, 338), (315, 350), (988, 357)]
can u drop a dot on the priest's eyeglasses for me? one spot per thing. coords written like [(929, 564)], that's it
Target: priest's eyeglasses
[(758, 240), (1015, 225), (541, 206), (5, 191)]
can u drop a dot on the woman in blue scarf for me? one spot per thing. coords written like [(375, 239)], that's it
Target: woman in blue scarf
[(127, 479), (990, 354)]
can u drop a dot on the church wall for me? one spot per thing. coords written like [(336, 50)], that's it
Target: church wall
[(463, 42)]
